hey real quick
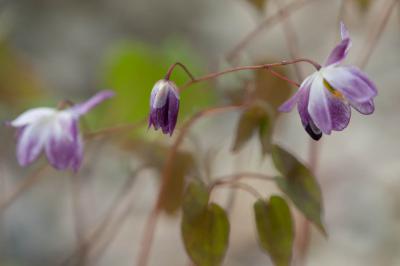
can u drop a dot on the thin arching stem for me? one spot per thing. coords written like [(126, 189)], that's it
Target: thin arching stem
[(241, 186), (253, 67), (269, 21), (172, 67)]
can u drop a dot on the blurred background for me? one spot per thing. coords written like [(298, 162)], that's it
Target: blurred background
[(52, 50)]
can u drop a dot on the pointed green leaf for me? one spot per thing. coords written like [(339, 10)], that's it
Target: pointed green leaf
[(206, 237), (195, 199), (300, 185), (275, 229)]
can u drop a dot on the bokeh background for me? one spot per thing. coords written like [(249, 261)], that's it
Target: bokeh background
[(52, 50)]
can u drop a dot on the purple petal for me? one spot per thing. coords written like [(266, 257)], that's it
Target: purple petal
[(355, 87), (343, 31), (306, 120), (31, 116), (62, 142), (30, 143), (340, 52), (83, 108), (289, 104), (318, 106), (365, 108), (78, 155), (340, 112), (361, 75), (173, 110)]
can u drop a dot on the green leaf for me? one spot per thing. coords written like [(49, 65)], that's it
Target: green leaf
[(300, 185), (195, 199), (258, 4), (275, 229), (206, 237), (254, 119)]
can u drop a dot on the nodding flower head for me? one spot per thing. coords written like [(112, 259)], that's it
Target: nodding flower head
[(164, 106), (56, 132), (324, 98)]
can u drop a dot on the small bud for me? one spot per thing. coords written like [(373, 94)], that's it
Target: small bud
[(164, 106)]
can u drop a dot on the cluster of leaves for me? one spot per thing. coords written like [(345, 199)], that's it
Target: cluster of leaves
[(205, 226)]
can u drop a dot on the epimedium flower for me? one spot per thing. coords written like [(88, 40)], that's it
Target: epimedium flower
[(325, 97), (164, 106), (54, 131)]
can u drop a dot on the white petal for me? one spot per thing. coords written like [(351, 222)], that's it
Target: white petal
[(32, 116)]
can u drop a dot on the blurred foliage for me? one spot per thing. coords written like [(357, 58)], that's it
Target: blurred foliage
[(18, 84), (205, 227), (270, 88), (256, 118), (275, 229), (155, 154), (132, 68), (258, 4), (364, 4), (300, 185)]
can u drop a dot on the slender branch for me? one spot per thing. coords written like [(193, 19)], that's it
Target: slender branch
[(99, 229), (269, 21), (375, 36), (253, 67), (22, 186), (238, 176), (241, 186), (172, 67), (291, 37), (151, 223), (114, 130)]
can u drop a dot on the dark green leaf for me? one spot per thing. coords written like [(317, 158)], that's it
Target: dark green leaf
[(255, 119), (206, 237), (300, 185), (195, 200), (275, 229)]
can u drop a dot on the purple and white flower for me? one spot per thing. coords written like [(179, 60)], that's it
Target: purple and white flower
[(324, 98), (164, 106), (56, 132)]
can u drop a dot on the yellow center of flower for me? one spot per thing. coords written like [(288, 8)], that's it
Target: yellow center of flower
[(332, 90)]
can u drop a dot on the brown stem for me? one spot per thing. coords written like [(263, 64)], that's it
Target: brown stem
[(291, 37), (253, 67), (151, 224), (22, 186), (239, 185), (269, 21), (113, 130), (172, 67), (375, 36)]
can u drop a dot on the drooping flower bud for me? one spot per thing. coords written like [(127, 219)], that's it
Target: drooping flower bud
[(164, 106)]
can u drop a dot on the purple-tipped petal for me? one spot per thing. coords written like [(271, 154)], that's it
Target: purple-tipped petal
[(354, 87), (62, 141), (365, 108), (340, 112), (318, 106), (164, 106), (83, 108), (173, 110), (343, 31), (31, 116), (308, 124), (340, 52), (361, 75), (30, 143), (289, 104)]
